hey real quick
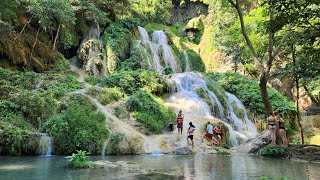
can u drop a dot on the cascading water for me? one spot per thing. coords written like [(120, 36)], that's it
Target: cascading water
[(244, 125), (189, 101), (158, 50), (45, 145), (186, 57)]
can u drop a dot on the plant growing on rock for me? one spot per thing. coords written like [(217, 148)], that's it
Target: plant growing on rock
[(79, 160)]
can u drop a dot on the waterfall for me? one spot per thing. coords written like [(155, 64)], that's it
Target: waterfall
[(158, 50), (45, 145), (247, 127), (103, 152), (189, 101), (187, 60)]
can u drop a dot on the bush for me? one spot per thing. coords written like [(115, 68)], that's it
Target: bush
[(79, 160), (106, 95), (113, 145), (131, 81), (79, 121), (150, 111), (15, 141), (273, 151)]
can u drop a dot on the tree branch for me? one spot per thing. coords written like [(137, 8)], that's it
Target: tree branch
[(277, 50), (232, 3), (246, 37)]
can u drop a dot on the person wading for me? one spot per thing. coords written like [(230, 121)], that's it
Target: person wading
[(272, 128), (190, 132), (180, 118)]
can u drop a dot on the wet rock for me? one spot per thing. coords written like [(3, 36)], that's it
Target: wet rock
[(126, 166), (183, 151), (255, 144)]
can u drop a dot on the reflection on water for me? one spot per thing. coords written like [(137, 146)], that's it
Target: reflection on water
[(237, 166)]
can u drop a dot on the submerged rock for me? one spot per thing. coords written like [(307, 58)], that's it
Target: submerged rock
[(183, 151)]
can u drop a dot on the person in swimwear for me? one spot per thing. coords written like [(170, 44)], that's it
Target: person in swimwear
[(190, 132), (272, 128), (282, 129)]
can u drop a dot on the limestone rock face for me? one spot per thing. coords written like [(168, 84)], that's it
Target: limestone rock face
[(183, 151), (255, 144), (185, 10)]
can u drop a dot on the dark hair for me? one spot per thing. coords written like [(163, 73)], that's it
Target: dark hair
[(275, 113), (190, 123)]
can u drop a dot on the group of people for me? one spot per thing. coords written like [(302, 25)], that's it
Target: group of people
[(272, 121), (209, 134)]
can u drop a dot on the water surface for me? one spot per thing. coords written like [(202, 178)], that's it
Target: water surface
[(198, 166)]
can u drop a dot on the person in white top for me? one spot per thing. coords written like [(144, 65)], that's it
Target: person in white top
[(190, 132), (209, 133)]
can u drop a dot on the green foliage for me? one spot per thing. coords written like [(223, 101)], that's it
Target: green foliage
[(69, 39), (195, 61), (79, 160), (15, 141), (49, 11), (113, 145), (273, 151), (78, 120), (268, 178), (150, 111), (8, 9), (118, 37), (153, 10), (248, 91), (106, 95), (61, 63), (92, 80), (131, 81)]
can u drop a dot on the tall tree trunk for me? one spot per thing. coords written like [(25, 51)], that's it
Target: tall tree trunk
[(264, 92), (56, 38), (297, 89)]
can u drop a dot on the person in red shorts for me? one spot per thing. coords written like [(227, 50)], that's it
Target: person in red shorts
[(209, 133)]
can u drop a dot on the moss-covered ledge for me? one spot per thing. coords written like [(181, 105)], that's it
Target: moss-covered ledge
[(294, 152)]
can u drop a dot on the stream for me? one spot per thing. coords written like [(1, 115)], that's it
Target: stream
[(199, 166)]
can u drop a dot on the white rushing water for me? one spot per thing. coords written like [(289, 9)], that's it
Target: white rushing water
[(161, 55), (187, 99), (45, 145)]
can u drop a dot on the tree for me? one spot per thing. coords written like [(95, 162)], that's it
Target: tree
[(264, 67), (52, 15)]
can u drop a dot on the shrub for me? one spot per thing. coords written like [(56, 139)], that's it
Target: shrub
[(150, 111), (106, 95), (15, 141), (195, 61), (79, 121), (113, 145), (273, 151), (131, 81), (79, 160)]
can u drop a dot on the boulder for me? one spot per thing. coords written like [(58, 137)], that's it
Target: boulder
[(255, 144), (183, 151)]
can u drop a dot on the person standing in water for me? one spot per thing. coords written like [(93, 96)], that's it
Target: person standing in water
[(272, 128), (282, 129), (190, 132), (180, 118)]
